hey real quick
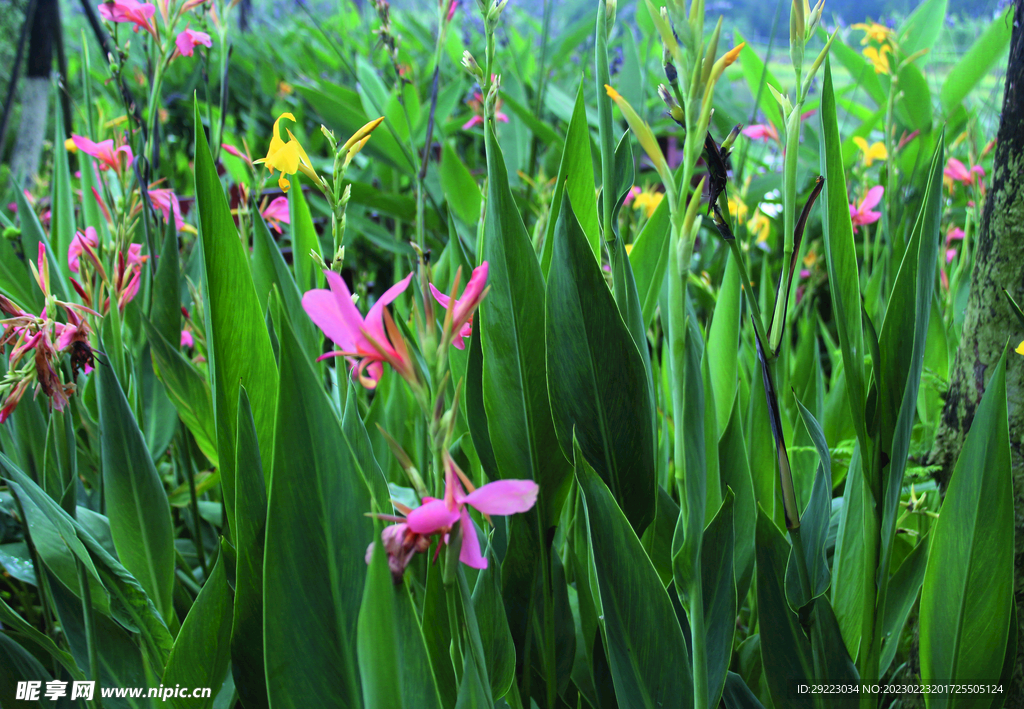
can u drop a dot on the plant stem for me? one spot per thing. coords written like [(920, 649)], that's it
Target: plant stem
[(604, 114), (90, 626)]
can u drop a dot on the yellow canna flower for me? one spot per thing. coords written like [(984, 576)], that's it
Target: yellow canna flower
[(70, 146), (738, 210), (1020, 348), (879, 58), (648, 200), (873, 32), (811, 258), (760, 225), (288, 157), (875, 151)]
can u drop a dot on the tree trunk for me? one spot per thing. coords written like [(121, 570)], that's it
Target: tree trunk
[(35, 93), (989, 322)]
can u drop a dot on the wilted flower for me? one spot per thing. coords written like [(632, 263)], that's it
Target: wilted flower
[(139, 14), (861, 214), (875, 151), (503, 497), (188, 40), (401, 544), (364, 342)]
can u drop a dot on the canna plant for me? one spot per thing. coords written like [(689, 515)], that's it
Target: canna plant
[(458, 401)]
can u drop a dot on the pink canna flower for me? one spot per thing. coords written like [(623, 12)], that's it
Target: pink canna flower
[(477, 103), (761, 131), (187, 342), (139, 14), (364, 342), (631, 195), (503, 497), (166, 202), (103, 151), (862, 214), (950, 255), (956, 171), (188, 40), (954, 234), (277, 213), (83, 242), (462, 315)]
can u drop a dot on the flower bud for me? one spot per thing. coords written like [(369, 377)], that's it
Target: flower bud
[(609, 12), (670, 69), (470, 65), (730, 139)]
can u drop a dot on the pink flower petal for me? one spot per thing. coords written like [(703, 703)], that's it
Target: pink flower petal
[(439, 296), (187, 342), (872, 198), (504, 497), (470, 554), (374, 322), (432, 517)]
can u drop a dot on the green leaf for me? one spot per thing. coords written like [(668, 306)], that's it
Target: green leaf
[(514, 376), (304, 239), (914, 105), (968, 586), (460, 188), (596, 378), (200, 655), (723, 343), (15, 625), (902, 594), (362, 449), (921, 30), (249, 530), (20, 666), (136, 502), (735, 472), (855, 561), (575, 177), (737, 695), (315, 521), (719, 593), (841, 257), (495, 635), (16, 281), (438, 638), (188, 390), (238, 344), (814, 523), (62, 217), (649, 259), (647, 654), (165, 312), (785, 650), (976, 63)]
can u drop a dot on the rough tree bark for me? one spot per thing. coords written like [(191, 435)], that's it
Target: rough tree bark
[(35, 92), (989, 321)]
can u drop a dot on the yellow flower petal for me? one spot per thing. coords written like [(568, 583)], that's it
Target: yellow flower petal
[(1020, 348), (284, 184)]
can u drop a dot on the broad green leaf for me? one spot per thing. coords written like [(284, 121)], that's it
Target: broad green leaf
[(723, 343), (914, 106), (304, 239), (968, 585), (315, 521), (921, 30), (841, 256), (121, 663), (855, 561), (902, 594), (495, 635), (15, 625), (785, 650), (649, 259), (647, 654), (976, 63), (830, 653), (236, 332), (596, 377), (737, 694), (460, 188), (539, 128), (165, 312), (248, 530), (575, 177), (16, 281), (20, 666), (514, 375), (62, 206), (136, 502), (719, 592), (393, 660), (735, 472), (438, 638), (188, 390), (200, 655)]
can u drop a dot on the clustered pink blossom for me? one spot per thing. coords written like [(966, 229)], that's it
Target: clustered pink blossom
[(188, 40), (276, 213), (958, 172), (104, 151), (139, 14)]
